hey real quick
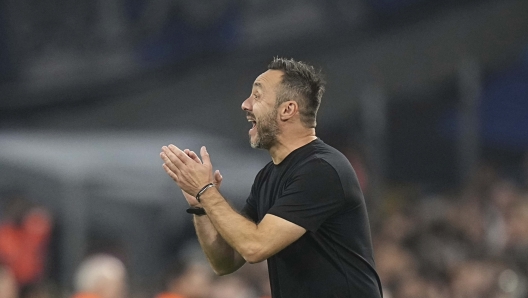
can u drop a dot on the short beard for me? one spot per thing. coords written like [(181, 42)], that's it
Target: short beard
[(267, 131)]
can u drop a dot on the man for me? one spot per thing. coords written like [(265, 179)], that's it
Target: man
[(305, 214), (25, 232), (101, 276), (187, 279)]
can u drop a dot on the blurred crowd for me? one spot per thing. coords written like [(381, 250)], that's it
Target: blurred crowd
[(471, 242), (468, 243), (26, 270)]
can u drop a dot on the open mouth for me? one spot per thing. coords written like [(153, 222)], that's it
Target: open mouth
[(253, 122)]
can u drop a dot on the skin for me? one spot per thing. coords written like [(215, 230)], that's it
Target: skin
[(228, 238)]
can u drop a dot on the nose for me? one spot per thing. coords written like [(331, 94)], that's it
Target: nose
[(246, 104)]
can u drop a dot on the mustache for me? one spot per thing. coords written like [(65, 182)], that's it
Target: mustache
[(249, 114)]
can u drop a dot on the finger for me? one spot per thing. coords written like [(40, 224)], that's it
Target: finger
[(205, 156), (175, 160), (169, 163), (194, 157), (184, 158), (171, 173)]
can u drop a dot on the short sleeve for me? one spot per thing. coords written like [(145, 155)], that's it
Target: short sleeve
[(250, 208), (249, 211), (311, 196)]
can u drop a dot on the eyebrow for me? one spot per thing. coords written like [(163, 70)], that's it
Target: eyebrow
[(257, 84)]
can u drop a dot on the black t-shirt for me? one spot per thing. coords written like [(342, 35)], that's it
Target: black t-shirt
[(316, 188)]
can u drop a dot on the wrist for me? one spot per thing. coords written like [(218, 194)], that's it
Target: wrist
[(203, 190)]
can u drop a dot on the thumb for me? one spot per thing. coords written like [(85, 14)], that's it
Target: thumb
[(218, 178), (205, 156)]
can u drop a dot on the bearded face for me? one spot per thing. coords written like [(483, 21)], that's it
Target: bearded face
[(267, 130), (262, 110)]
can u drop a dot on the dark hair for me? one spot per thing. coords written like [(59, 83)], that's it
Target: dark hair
[(302, 83)]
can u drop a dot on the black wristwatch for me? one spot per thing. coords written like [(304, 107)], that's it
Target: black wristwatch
[(196, 211)]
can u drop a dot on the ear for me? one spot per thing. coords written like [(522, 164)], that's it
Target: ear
[(288, 110)]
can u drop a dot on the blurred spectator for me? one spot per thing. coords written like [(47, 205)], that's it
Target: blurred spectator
[(101, 276), (524, 171), (231, 286), (24, 235), (393, 263), (470, 243), (8, 285), (257, 276), (516, 249), (187, 279), (472, 279), (412, 287), (39, 290)]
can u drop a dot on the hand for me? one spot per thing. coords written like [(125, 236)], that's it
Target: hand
[(216, 176), (187, 170)]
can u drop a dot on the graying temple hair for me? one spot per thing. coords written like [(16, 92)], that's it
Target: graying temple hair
[(302, 83)]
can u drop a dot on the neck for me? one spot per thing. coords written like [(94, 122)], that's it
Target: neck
[(288, 143)]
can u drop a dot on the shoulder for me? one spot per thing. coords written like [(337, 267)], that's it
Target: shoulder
[(313, 169), (341, 169), (316, 157), (330, 156)]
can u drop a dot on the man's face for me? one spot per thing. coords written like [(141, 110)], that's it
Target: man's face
[(261, 110)]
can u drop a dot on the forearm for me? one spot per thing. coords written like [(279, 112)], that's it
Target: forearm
[(237, 231), (222, 257)]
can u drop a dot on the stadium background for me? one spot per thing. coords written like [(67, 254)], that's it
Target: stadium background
[(428, 99)]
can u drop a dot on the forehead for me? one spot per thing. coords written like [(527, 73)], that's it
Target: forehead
[(268, 80)]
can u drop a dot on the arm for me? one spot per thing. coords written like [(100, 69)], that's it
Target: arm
[(254, 242), (222, 257)]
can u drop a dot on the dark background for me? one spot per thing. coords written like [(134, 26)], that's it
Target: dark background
[(421, 92)]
